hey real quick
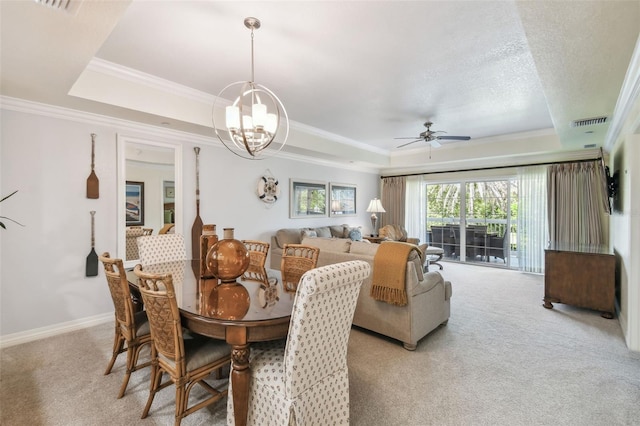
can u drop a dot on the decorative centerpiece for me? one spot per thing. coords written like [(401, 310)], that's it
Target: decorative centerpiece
[(227, 260)]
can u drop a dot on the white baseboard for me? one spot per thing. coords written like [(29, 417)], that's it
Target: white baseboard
[(53, 330)]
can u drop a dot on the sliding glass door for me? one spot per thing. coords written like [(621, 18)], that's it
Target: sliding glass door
[(474, 221)]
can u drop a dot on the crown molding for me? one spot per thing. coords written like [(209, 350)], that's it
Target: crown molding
[(163, 134)]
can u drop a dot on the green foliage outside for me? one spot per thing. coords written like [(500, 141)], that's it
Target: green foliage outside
[(486, 204)]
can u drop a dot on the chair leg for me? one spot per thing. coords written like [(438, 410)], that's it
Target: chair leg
[(181, 401), (131, 363), (156, 377), (118, 344)]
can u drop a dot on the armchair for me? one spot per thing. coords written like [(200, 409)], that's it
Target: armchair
[(396, 233)]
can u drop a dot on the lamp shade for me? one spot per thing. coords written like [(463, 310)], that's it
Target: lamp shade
[(375, 206)]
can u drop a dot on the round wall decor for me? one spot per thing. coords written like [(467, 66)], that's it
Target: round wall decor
[(268, 190)]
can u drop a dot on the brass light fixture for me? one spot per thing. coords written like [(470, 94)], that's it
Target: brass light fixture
[(255, 119)]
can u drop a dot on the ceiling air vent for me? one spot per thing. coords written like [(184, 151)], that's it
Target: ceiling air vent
[(68, 6), (589, 121)]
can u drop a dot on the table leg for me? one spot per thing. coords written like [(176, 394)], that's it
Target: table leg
[(240, 373), (241, 378)]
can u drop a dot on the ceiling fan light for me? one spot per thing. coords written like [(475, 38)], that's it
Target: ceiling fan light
[(435, 144)]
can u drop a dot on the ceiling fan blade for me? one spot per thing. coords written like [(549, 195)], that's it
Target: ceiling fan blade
[(408, 143), (412, 137), (434, 143), (454, 138)]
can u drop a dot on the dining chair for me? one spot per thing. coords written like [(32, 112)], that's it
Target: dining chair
[(187, 359), (305, 381), (296, 260), (131, 236), (132, 328), (258, 251), (161, 248)]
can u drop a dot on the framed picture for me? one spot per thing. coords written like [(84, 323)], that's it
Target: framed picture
[(307, 198), (343, 199), (169, 192), (134, 198)]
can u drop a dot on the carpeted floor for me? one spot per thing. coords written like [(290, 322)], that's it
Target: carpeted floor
[(502, 360)]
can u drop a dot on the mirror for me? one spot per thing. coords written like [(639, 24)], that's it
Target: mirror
[(149, 199)]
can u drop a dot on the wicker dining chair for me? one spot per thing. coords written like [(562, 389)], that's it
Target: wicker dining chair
[(296, 260), (258, 251), (132, 328), (188, 359), (161, 248), (305, 380)]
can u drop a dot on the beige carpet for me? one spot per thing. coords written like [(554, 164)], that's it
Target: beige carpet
[(502, 360)]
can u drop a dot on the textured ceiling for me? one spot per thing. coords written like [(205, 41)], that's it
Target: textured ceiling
[(355, 73)]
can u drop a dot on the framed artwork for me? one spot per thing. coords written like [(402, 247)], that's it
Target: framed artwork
[(169, 192), (134, 199), (307, 198), (343, 199)]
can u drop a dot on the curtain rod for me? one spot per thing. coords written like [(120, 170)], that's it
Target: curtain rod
[(493, 168)]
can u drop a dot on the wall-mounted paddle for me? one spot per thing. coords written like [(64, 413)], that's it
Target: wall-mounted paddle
[(93, 184), (92, 258), (196, 229)]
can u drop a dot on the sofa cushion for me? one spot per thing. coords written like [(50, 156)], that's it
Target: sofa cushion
[(288, 236), (340, 245), (308, 233), (337, 231), (323, 232), (362, 247)]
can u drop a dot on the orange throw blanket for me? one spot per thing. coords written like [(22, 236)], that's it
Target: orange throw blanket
[(389, 272)]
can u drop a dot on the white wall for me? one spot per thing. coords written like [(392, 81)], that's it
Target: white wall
[(46, 153), (625, 236)]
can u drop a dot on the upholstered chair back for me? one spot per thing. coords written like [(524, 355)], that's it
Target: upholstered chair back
[(161, 248), (320, 324)]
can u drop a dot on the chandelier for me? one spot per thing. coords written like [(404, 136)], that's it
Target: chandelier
[(255, 118)]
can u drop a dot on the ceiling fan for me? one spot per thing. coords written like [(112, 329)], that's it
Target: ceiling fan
[(430, 137)]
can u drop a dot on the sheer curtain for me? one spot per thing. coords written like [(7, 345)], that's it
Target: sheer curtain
[(532, 218), (416, 208), (393, 200), (575, 202)]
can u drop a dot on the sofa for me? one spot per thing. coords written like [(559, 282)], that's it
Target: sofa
[(428, 293)]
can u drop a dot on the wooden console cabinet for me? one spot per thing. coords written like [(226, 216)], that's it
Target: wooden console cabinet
[(580, 276)]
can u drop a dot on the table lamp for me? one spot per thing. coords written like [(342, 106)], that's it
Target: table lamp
[(375, 206)]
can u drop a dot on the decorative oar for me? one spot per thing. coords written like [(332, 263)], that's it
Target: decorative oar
[(92, 258), (196, 229), (93, 184)]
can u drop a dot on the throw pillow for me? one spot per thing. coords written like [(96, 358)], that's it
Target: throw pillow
[(323, 231), (355, 235), (309, 233)]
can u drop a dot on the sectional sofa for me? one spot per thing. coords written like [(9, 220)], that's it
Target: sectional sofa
[(428, 293)]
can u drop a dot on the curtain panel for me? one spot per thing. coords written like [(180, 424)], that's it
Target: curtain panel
[(532, 218), (393, 200), (575, 200), (416, 208)]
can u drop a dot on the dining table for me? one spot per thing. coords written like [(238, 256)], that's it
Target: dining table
[(255, 308)]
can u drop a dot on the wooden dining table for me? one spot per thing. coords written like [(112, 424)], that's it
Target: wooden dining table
[(242, 313)]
